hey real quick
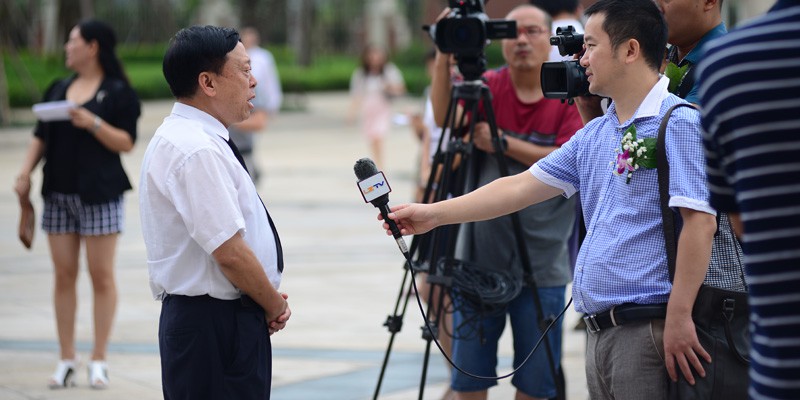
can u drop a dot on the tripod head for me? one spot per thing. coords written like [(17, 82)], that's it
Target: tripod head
[(471, 66)]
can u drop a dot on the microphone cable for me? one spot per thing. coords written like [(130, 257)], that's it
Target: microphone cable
[(375, 190), (450, 361)]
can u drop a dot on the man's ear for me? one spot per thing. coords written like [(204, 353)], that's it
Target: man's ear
[(207, 83), (710, 4), (632, 50)]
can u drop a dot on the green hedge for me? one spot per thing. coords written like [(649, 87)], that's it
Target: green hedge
[(143, 66)]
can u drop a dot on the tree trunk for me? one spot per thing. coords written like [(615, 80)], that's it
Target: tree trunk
[(6, 13), (300, 14), (87, 9), (5, 108), (163, 23), (247, 14), (67, 18)]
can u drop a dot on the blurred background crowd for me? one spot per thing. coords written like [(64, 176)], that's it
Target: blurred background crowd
[(316, 43)]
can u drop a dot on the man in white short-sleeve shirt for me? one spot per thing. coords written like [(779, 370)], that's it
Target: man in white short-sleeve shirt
[(213, 254)]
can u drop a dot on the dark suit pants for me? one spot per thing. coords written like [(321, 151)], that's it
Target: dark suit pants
[(214, 349)]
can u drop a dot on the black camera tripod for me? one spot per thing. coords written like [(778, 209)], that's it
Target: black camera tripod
[(453, 173)]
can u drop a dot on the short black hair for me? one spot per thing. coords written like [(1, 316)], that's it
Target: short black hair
[(555, 7), (195, 50), (634, 19)]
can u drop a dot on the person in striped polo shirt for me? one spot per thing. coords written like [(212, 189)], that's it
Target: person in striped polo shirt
[(750, 91)]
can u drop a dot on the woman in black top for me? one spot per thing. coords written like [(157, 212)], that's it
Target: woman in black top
[(83, 184)]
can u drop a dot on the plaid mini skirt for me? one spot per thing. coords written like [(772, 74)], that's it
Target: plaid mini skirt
[(65, 213)]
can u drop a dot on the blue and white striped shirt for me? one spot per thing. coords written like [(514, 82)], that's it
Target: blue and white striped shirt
[(750, 89), (623, 258)]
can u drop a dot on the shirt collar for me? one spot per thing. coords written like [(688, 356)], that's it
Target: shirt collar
[(210, 124), (651, 105), (697, 52)]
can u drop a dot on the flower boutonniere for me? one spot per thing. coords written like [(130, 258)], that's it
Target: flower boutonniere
[(634, 153)]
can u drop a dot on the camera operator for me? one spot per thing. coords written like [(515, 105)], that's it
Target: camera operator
[(531, 127), (639, 322)]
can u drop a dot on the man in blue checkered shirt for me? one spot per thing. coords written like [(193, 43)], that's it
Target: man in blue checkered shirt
[(642, 333)]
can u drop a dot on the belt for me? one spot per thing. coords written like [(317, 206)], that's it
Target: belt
[(623, 314), (244, 301)]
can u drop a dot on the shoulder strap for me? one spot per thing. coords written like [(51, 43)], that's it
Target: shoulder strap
[(667, 216), (687, 80), (687, 83)]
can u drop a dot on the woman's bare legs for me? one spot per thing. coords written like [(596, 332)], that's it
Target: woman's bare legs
[(376, 146), (100, 252), (64, 251)]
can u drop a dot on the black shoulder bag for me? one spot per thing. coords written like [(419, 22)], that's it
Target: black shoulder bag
[(721, 316)]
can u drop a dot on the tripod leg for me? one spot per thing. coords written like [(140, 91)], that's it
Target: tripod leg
[(436, 288), (395, 323)]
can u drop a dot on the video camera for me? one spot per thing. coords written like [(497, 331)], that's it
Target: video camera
[(465, 33), (565, 79)]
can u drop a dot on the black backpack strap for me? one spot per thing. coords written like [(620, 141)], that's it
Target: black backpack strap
[(667, 216), (687, 80), (686, 83)]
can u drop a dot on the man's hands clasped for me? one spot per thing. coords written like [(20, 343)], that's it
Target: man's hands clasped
[(279, 322)]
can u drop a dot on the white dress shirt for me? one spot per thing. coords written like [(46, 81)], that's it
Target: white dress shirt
[(193, 196)]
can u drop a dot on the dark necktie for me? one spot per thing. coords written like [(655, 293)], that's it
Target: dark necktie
[(271, 224)]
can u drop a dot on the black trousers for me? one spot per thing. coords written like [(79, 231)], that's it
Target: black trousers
[(214, 349)]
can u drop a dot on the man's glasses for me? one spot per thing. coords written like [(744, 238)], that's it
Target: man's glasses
[(530, 31)]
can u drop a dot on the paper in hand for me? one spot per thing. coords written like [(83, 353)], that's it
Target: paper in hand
[(53, 110)]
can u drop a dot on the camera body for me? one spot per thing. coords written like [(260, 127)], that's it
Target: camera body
[(465, 33), (565, 79)]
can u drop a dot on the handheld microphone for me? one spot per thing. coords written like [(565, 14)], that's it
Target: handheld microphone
[(375, 189)]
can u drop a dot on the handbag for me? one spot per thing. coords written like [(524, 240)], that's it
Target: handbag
[(27, 223), (721, 316)]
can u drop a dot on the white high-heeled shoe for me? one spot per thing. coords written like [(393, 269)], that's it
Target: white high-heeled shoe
[(64, 376), (98, 374)]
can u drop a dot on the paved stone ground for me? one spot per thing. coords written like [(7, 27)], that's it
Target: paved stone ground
[(343, 275)]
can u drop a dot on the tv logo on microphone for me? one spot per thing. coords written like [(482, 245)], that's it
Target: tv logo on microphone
[(373, 187)]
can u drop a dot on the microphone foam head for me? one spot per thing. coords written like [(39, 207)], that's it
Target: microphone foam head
[(365, 168)]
